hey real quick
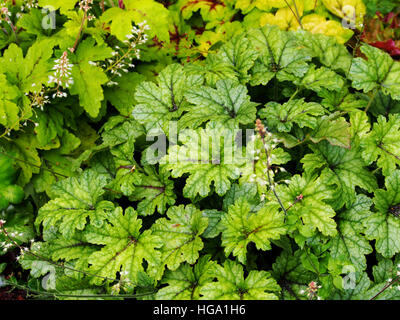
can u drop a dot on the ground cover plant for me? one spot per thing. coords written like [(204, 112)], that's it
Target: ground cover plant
[(198, 150)]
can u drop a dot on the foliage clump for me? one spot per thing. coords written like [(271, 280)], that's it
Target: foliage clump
[(175, 151)]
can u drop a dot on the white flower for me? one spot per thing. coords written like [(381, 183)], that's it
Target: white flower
[(62, 74)]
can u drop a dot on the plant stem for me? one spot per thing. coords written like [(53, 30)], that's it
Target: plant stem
[(272, 187), (294, 95), (80, 32), (296, 14), (370, 101)]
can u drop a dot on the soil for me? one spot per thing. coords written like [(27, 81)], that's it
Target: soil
[(8, 293)]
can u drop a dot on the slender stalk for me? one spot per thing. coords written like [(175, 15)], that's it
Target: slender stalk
[(80, 32), (370, 101), (56, 294), (262, 133), (296, 14), (380, 146), (386, 287)]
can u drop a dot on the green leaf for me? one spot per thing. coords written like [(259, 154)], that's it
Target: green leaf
[(181, 233), (119, 131), (341, 167), (359, 125), (229, 104), (119, 136), (31, 72), (289, 267), (18, 223), (320, 79), (155, 14), (239, 54), (121, 22), (76, 251), (282, 117), (88, 79), (380, 71), (24, 148), (39, 264), (157, 17), (281, 55), (232, 285), (161, 103), (214, 223), (334, 129), (50, 125), (383, 104), (9, 192), (9, 111), (341, 100), (125, 247), (209, 11), (75, 200), (241, 227), (305, 196), (384, 226), (205, 167), (358, 290), (384, 270), (64, 6), (31, 22), (256, 169), (213, 69), (349, 246), (57, 163), (382, 144), (247, 5), (247, 191), (186, 282), (122, 96)]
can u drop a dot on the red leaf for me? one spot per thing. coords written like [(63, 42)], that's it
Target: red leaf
[(388, 45)]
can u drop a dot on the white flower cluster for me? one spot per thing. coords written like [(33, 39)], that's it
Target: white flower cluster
[(4, 12), (86, 5), (312, 290), (122, 57), (62, 75)]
